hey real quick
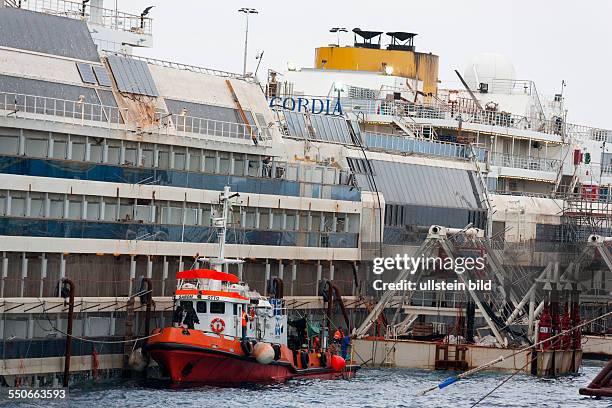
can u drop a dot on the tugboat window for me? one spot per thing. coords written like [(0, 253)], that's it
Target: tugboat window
[(217, 307), (235, 309), (201, 307)]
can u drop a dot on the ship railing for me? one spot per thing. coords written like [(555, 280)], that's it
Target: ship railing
[(504, 86), (178, 65), (188, 126), (525, 162), (607, 169), (109, 18), (62, 110), (409, 144), (524, 193), (466, 111)]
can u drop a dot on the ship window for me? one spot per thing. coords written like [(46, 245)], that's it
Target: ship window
[(353, 223), (131, 154), (303, 224), (340, 223), (235, 309), (172, 215), (186, 304), (110, 209), (114, 151), (56, 206), (217, 307), (249, 218), (37, 205), (96, 150), (126, 210), (75, 206), (142, 212), (238, 164), (78, 149), (9, 144), (206, 215), (179, 158), (264, 218), (163, 157), (224, 163), (2, 202), (195, 160), (191, 215), (93, 208), (59, 147), (254, 163), (201, 306), (290, 221), (147, 156), (210, 162), (277, 219), (18, 207), (315, 224), (36, 147)]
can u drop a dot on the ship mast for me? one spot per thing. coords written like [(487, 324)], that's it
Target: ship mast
[(221, 224)]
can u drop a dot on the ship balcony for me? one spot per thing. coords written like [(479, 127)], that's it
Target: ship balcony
[(526, 167), (108, 18), (407, 144), (443, 113), (194, 127), (15, 106), (525, 162)]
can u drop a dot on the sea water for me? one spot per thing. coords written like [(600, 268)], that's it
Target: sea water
[(372, 387)]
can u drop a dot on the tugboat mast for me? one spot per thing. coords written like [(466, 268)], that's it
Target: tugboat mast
[(221, 225)]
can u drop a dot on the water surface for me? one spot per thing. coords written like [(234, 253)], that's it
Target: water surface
[(387, 387)]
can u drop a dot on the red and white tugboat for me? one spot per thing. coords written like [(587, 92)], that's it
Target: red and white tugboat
[(213, 346)]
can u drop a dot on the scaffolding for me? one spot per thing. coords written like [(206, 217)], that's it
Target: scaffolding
[(585, 214)]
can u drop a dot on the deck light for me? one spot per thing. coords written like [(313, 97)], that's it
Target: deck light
[(246, 11)]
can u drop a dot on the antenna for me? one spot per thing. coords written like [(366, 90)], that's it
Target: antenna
[(221, 224)]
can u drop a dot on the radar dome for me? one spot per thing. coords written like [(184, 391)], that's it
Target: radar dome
[(486, 68)]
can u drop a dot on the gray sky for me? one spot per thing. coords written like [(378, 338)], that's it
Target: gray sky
[(548, 41)]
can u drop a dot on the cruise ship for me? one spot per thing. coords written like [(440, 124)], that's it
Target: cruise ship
[(113, 165)]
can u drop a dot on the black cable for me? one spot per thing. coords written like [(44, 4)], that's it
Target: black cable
[(372, 180)]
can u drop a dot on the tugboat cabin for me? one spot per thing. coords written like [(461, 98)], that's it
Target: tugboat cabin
[(218, 300)]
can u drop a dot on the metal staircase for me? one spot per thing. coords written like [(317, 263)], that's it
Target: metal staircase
[(414, 129)]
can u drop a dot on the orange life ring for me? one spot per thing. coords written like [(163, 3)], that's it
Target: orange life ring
[(217, 325)]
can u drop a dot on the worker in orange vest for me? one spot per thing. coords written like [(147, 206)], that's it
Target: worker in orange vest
[(245, 319), (337, 336)]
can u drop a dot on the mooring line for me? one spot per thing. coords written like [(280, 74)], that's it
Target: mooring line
[(458, 377)]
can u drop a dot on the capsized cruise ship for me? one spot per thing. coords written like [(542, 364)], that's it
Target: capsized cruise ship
[(113, 166)]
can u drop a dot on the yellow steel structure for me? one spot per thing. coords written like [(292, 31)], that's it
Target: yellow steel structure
[(408, 64)]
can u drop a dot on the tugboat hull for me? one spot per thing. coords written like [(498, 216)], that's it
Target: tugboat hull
[(203, 359), (187, 364)]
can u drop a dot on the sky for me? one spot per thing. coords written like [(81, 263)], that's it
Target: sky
[(547, 41)]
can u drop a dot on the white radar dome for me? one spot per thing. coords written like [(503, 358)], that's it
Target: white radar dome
[(491, 69)]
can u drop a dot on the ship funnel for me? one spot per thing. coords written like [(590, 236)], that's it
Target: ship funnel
[(366, 38), (401, 41)]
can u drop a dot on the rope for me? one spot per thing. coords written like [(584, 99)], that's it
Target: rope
[(518, 370), (451, 380), (95, 341), (503, 382)]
